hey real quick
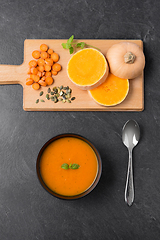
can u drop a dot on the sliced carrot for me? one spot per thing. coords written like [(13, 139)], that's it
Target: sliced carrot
[(36, 86), (29, 71), (34, 70), (47, 67), (36, 54), (44, 47), (56, 67), (50, 51), (41, 62), (54, 72), (42, 83), (43, 78), (39, 74), (55, 57), (29, 81), (49, 61), (49, 80), (44, 55), (41, 68), (33, 63), (35, 77), (48, 74)]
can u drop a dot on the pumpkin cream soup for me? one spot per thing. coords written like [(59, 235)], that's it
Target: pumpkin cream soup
[(68, 166)]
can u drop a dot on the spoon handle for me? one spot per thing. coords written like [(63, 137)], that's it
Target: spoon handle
[(129, 189)]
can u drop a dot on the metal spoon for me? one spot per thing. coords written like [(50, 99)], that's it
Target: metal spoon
[(130, 138)]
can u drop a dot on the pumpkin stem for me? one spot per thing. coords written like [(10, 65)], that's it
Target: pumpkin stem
[(129, 57)]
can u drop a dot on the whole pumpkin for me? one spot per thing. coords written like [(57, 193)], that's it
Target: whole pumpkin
[(126, 60)]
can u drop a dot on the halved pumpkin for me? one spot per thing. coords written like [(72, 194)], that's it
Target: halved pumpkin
[(112, 92), (87, 68)]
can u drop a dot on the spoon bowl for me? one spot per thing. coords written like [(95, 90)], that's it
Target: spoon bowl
[(131, 134), (130, 138)]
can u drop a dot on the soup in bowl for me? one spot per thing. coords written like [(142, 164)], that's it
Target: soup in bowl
[(69, 166)]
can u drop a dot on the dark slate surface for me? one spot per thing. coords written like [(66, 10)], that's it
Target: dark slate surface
[(26, 210)]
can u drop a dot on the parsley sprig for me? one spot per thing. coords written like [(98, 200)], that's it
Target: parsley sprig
[(69, 45)]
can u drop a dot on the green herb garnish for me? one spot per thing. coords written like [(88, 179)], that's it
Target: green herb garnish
[(71, 166), (74, 166), (65, 166), (69, 45)]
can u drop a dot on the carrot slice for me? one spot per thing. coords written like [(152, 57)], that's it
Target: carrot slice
[(35, 86), (33, 63), (42, 83), (49, 80), (56, 67), (29, 81)]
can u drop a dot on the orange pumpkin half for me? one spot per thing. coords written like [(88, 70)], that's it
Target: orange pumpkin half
[(112, 92), (87, 68)]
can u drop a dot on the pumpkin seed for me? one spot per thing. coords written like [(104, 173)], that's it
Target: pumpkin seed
[(61, 93), (68, 95), (58, 89), (54, 88), (47, 96), (57, 95), (70, 90)]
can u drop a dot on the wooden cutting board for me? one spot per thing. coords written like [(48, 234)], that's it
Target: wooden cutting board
[(13, 74)]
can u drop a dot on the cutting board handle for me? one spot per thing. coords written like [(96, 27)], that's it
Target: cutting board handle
[(12, 74)]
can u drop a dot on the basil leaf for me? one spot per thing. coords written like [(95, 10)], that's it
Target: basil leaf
[(70, 40), (81, 45), (68, 45), (75, 166), (65, 166), (71, 50), (78, 45), (64, 45), (70, 165)]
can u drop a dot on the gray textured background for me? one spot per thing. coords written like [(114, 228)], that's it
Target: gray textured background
[(26, 210)]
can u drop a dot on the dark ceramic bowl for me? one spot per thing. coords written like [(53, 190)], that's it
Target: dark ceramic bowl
[(93, 184)]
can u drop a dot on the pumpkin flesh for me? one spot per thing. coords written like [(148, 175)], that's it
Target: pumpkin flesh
[(87, 68), (112, 92)]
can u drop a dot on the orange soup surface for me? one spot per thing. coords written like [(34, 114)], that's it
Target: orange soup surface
[(68, 182)]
